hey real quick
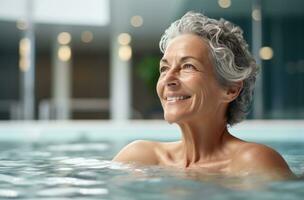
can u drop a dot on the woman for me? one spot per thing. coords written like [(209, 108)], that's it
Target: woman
[(206, 83)]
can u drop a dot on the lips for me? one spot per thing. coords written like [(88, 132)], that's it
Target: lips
[(177, 98)]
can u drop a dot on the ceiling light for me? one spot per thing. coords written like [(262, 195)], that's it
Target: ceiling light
[(24, 46), (24, 49), (137, 21), (124, 39), (256, 15), (125, 53), (21, 25), (64, 53), (87, 36), (266, 53), (64, 38), (224, 3)]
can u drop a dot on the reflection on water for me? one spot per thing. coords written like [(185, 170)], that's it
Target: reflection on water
[(83, 171)]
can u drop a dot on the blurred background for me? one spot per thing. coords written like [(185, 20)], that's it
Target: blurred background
[(98, 59)]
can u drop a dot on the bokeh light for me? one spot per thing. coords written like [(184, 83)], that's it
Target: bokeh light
[(137, 21), (266, 53), (124, 39), (125, 53), (64, 53), (256, 15), (224, 3), (87, 36), (64, 38)]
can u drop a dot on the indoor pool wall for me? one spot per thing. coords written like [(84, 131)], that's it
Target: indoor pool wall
[(33, 131), (121, 133)]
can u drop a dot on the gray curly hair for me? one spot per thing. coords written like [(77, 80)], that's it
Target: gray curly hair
[(230, 55)]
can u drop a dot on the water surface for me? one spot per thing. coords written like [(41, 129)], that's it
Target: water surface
[(82, 170)]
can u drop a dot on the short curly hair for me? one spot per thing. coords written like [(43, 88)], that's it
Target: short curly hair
[(231, 58)]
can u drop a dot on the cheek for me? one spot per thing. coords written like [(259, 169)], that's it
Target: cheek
[(159, 88), (202, 97), (204, 93), (210, 96)]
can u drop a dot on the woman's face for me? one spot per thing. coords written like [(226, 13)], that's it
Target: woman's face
[(187, 86)]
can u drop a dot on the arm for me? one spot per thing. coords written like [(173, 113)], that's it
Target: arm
[(138, 152)]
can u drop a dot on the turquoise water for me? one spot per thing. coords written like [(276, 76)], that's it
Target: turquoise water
[(82, 170)]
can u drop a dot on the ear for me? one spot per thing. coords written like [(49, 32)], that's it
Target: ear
[(232, 92)]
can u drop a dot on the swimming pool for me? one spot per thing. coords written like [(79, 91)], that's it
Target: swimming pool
[(70, 160)]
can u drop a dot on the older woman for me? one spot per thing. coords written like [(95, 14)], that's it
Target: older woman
[(206, 83)]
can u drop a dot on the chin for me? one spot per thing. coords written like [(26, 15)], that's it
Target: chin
[(170, 121), (169, 118), (173, 118)]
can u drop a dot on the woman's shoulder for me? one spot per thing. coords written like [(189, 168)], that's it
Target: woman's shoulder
[(138, 152), (254, 158)]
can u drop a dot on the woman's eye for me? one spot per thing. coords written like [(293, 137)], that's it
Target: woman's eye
[(163, 69), (188, 66)]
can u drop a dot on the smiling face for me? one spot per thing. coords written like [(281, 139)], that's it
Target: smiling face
[(187, 86)]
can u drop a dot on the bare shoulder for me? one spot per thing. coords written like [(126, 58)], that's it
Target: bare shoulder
[(253, 158), (139, 152)]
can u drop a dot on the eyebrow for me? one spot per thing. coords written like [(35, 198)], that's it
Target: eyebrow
[(163, 60)]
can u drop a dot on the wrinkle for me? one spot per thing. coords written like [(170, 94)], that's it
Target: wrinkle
[(199, 146)]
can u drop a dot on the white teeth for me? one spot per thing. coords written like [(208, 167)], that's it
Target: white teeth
[(177, 98)]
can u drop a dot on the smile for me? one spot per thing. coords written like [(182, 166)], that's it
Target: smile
[(176, 98)]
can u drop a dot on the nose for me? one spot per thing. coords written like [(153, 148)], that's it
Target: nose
[(172, 83), (171, 79)]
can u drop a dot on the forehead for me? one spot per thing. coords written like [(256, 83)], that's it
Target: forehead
[(187, 45)]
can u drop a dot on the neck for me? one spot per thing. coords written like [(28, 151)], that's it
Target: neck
[(202, 140)]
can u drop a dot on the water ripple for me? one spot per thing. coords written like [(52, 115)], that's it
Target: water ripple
[(9, 193), (71, 181), (72, 192), (79, 147), (12, 179), (93, 191)]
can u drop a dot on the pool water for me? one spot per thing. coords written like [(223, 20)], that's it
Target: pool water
[(82, 170)]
